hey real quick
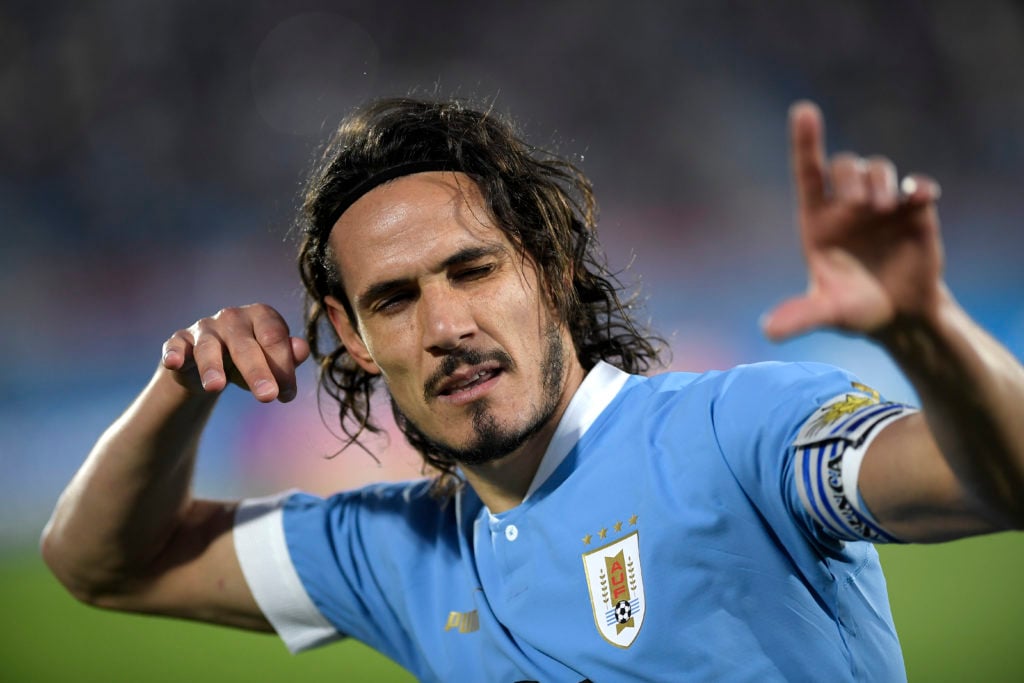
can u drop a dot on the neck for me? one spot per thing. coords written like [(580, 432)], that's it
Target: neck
[(502, 484)]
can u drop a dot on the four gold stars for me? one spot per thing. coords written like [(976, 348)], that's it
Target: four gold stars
[(617, 528)]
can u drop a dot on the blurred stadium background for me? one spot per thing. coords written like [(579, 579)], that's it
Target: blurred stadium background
[(152, 156)]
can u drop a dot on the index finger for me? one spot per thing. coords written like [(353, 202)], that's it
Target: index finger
[(807, 146)]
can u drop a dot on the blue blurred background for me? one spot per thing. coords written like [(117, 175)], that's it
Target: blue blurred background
[(153, 154)]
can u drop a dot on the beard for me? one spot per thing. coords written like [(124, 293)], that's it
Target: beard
[(491, 440)]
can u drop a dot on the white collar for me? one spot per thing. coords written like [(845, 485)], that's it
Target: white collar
[(597, 390)]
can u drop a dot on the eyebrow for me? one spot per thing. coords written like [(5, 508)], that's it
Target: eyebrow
[(379, 290)]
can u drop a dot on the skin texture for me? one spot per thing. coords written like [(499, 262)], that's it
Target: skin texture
[(439, 295), (875, 261), (432, 279)]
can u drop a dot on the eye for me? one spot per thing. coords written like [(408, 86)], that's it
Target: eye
[(392, 303), (473, 272)]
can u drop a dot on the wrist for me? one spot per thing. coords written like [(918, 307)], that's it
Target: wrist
[(927, 345), (175, 391)]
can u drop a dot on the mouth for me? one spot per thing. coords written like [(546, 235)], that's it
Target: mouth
[(469, 383)]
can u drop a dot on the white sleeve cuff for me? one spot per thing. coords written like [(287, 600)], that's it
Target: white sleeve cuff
[(268, 569)]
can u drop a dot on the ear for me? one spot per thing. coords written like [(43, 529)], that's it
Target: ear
[(349, 336)]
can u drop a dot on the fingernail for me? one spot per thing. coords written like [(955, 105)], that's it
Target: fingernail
[(262, 388), (908, 186), (210, 376)]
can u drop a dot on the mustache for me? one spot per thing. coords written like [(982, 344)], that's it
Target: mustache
[(458, 358)]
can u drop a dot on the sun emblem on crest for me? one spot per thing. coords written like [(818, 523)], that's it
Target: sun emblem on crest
[(837, 409)]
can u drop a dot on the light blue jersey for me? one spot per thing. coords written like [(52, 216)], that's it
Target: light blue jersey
[(674, 532)]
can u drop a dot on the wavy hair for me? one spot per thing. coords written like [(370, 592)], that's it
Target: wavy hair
[(544, 204)]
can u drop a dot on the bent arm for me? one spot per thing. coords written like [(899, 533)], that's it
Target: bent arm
[(875, 263), (127, 533), (958, 469)]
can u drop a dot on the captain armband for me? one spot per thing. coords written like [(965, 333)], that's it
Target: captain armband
[(829, 450)]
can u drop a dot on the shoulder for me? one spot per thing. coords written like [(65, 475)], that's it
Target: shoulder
[(769, 378), (405, 499)]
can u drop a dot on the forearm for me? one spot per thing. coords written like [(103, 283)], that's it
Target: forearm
[(125, 502), (972, 392)]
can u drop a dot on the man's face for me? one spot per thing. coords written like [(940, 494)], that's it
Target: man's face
[(451, 315)]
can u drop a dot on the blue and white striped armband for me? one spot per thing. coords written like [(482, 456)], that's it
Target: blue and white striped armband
[(829, 450)]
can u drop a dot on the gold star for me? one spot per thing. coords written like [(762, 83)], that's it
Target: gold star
[(602, 533), (586, 539), (632, 520), (618, 526)]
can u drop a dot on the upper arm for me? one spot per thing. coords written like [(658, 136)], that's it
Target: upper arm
[(910, 488), (197, 576), (856, 467)]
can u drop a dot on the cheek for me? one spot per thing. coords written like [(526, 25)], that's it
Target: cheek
[(525, 299), (388, 346)]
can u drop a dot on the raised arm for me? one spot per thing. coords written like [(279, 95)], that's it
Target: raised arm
[(875, 263), (127, 533)]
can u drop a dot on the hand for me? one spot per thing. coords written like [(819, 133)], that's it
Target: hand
[(249, 346), (872, 248)]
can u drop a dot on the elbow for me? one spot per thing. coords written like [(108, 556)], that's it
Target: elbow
[(57, 554)]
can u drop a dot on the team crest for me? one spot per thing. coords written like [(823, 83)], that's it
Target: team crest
[(616, 588)]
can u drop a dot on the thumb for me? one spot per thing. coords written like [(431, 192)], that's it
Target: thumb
[(793, 317), (300, 350)]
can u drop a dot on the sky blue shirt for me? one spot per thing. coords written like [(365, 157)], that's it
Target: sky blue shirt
[(665, 537)]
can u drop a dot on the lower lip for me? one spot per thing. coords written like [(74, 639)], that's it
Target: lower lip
[(461, 398)]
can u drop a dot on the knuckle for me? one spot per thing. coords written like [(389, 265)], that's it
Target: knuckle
[(881, 168), (859, 201), (261, 311), (226, 314), (177, 339), (845, 157), (203, 325), (272, 335), (206, 342)]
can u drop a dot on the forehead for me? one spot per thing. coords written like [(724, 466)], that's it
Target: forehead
[(409, 222)]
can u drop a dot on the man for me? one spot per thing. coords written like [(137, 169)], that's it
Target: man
[(587, 523)]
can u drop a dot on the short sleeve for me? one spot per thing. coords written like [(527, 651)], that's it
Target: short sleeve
[(275, 584), (345, 565), (784, 429)]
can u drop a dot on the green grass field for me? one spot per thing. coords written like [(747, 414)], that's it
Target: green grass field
[(959, 609)]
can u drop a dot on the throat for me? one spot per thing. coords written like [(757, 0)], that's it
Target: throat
[(502, 483)]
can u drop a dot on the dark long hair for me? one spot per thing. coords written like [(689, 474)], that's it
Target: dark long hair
[(544, 204)]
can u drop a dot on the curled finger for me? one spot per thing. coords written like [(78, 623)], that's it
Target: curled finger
[(208, 352), (849, 179), (882, 185), (271, 333), (259, 350), (177, 350), (917, 189)]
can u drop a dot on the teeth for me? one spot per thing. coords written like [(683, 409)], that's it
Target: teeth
[(470, 380)]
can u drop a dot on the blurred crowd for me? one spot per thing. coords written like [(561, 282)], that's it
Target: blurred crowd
[(153, 154)]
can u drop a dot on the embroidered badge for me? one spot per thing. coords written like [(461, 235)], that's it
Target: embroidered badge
[(616, 588), (830, 447), (848, 416)]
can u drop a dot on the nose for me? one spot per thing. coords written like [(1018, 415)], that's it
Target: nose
[(446, 317)]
